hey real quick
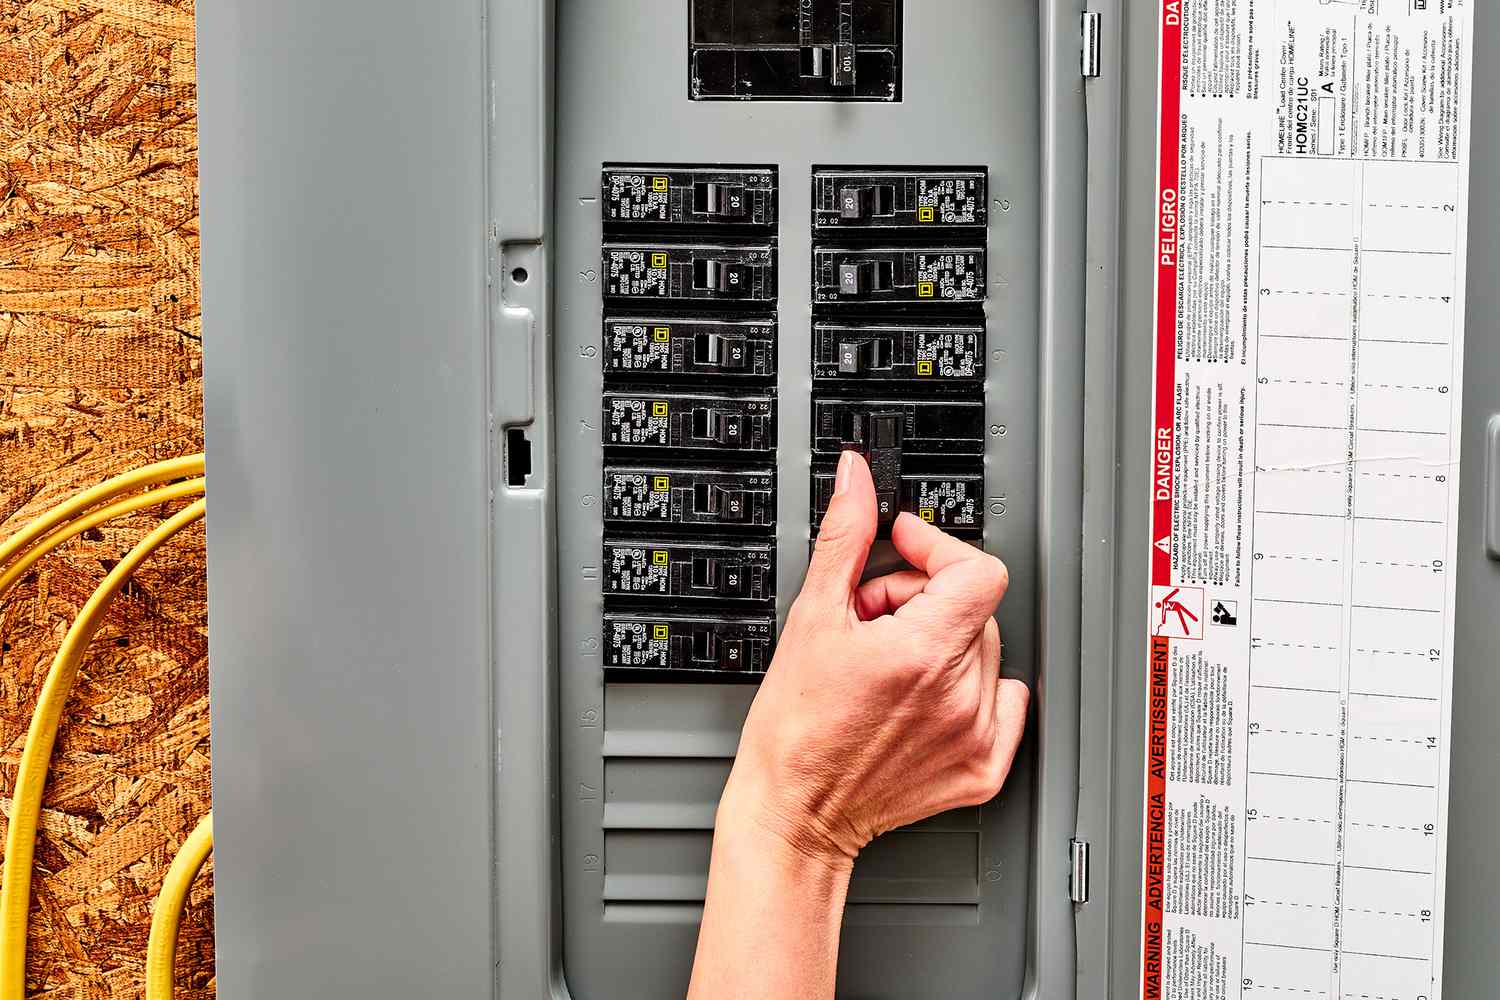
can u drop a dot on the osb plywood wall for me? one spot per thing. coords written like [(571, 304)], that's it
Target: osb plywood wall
[(100, 372)]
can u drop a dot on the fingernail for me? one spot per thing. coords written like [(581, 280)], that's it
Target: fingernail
[(841, 479)]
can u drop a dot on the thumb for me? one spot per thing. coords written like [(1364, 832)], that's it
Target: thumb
[(844, 538)]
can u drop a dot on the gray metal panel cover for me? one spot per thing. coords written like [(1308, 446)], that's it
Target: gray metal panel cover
[(345, 374)]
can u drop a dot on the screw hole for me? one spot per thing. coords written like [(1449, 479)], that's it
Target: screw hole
[(519, 275)]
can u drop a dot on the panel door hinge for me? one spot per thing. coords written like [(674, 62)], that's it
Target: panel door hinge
[(1089, 60), (1078, 872)]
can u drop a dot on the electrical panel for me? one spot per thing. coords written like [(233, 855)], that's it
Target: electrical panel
[(689, 410), (816, 245)]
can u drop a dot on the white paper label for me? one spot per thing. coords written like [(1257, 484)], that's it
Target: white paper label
[(1309, 353)]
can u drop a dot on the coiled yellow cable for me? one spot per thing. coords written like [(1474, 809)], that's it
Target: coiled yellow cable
[(77, 526), (166, 918), (146, 475), (20, 841)]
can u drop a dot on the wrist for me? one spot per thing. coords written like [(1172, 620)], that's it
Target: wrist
[(781, 829)]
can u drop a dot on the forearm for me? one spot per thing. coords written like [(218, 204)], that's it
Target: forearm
[(771, 919)]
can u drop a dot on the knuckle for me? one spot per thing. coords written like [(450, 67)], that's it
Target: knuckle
[(995, 577)]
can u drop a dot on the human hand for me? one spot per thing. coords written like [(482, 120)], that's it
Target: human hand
[(884, 703)]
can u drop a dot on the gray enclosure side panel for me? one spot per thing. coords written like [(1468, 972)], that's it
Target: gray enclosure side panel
[(970, 97), (1472, 935), (345, 378)]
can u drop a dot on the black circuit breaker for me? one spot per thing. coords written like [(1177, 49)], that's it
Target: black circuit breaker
[(705, 351), (650, 568), (898, 199), (822, 50), (899, 280), (943, 357), (689, 419)]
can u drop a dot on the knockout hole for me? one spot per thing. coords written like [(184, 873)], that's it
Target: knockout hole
[(519, 275)]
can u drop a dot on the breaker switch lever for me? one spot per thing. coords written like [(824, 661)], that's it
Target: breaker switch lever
[(862, 277), (715, 349), (856, 357), (719, 200), (884, 433), (725, 427), (725, 277), (866, 201)]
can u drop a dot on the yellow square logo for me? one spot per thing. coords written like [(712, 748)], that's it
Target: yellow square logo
[(661, 484), (924, 367), (659, 408), (658, 260), (925, 290), (661, 632), (661, 334), (926, 214), (658, 183), (659, 557), (929, 515)]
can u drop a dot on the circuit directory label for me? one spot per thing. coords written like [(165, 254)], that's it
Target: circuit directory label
[(1311, 236)]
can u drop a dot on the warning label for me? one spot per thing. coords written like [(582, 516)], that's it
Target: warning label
[(1310, 247)]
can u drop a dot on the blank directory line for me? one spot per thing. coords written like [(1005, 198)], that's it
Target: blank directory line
[(1295, 513), (1283, 687), (1300, 427), (1388, 871), (1396, 784), (1289, 774), (1394, 697), (1398, 430), (1294, 861), (1382, 954), (1396, 607), (1289, 947)]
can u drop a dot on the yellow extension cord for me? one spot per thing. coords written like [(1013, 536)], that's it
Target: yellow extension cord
[(161, 950), (146, 475), (15, 883), (76, 527)]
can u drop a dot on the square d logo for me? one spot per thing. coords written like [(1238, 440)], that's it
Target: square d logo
[(661, 633), (659, 557), (924, 367), (661, 334), (661, 484), (658, 260), (929, 515), (925, 290), (659, 408), (658, 183), (926, 214)]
